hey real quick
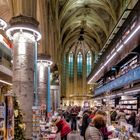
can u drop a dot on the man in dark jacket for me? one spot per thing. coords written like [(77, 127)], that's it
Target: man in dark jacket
[(85, 122), (113, 114), (73, 114)]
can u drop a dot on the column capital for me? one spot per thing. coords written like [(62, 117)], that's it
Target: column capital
[(24, 21), (45, 59), (44, 56), (23, 24)]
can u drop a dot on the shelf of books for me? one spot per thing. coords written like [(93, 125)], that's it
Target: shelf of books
[(128, 105), (36, 119)]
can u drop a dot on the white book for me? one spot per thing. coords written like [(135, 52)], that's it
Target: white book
[(110, 128)]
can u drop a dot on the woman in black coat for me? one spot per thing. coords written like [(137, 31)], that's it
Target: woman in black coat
[(132, 119)]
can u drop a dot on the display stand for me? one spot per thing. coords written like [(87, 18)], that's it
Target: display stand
[(2, 119), (36, 119), (9, 116), (124, 132), (108, 108)]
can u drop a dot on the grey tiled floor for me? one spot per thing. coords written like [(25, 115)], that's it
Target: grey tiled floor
[(75, 136)]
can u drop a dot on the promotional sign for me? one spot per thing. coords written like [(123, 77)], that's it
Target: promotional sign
[(2, 111), (10, 118), (36, 118), (2, 120), (86, 105)]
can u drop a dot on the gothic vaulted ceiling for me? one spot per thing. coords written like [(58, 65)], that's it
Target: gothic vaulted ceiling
[(91, 19)]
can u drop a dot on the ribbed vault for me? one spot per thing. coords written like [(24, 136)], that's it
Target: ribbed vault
[(89, 22), (5, 11), (64, 22), (95, 17)]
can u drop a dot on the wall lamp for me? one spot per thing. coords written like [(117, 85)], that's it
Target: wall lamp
[(10, 31), (45, 62)]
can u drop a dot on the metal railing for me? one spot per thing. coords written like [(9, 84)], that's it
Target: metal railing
[(127, 78)]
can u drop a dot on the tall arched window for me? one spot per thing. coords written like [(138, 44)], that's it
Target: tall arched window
[(89, 62), (71, 65), (79, 64), (64, 69)]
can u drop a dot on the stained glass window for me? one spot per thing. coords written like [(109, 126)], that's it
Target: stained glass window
[(64, 69), (71, 65), (79, 64), (89, 63)]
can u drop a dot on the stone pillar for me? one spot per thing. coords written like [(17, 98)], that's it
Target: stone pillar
[(67, 76), (63, 76), (55, 90), (44, 82), (84, 76), (24, 34), (55, 100)]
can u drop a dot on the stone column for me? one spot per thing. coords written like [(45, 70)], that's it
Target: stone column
[(24, 34), (63, 76), (44, 81), (67, 76), (55, 90), (55, 100), (84, 76)]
